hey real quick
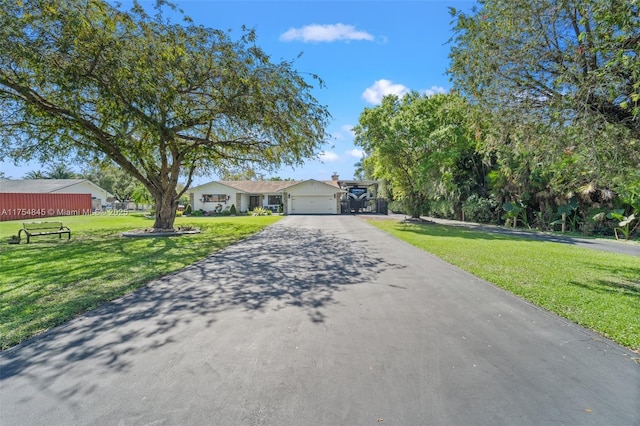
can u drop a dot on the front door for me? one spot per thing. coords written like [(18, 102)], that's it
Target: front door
[(254, 201)]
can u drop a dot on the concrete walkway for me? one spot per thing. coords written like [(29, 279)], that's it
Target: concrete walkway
[(320, 321)]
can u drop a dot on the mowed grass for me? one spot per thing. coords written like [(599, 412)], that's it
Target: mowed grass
[(598, 290), (50, 281)]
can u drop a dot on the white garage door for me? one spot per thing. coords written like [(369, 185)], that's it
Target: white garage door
[(313, 205)]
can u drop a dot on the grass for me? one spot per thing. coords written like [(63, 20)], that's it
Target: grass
[(50, 281), (596, 289)]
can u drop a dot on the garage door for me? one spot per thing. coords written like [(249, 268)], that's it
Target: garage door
[(313, 205)]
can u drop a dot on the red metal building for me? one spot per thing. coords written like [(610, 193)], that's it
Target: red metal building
[(40, 198), (18, 206)]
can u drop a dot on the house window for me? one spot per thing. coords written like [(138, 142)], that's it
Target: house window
[(214, 198), (274, 199)]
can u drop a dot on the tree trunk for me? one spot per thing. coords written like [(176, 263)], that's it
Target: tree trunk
[(415, 205), (457, 211), (166, 206)]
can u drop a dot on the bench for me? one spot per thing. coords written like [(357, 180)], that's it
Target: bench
[(34, 229)]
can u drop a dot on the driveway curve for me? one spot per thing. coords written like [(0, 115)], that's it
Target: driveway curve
[(319, 320)]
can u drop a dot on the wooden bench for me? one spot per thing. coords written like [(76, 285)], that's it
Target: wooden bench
[(34, 229)]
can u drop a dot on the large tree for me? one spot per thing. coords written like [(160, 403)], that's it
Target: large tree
[(422, 147), (558, 84), (562, 60), (164, 101)]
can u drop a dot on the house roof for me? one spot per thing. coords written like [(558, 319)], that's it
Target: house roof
[(332, 183), (359, 182), (259, 186), (40, 186), (265, 186)]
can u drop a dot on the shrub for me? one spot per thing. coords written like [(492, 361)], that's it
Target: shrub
[(396, 207), (188, 210), (178, 213), (413, 208), (479, 209), (233, 210), (261, 211), (440, 208), (598, 224)]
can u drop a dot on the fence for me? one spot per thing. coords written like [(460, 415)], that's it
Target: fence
[(378, 205)]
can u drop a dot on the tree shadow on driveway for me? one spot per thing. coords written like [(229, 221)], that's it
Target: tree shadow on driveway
[(280, 267)]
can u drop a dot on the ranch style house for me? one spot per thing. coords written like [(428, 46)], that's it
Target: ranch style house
[(288, 197)]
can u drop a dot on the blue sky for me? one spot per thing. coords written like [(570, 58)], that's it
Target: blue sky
[(361, 49)]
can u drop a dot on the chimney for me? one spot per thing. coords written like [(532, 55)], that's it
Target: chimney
[(335, 176)]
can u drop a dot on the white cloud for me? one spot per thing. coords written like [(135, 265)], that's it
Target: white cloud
[(380, 88), (348, 128), (356, 153), (345, 132), (434, 90), (329, 156), (325, 33)]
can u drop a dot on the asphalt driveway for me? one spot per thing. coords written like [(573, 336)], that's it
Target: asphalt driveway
[(320, 320)]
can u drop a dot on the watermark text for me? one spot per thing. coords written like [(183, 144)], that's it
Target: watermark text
[(44, 212)]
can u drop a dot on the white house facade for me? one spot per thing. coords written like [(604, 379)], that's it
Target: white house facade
[(313, 197), (289, 197)]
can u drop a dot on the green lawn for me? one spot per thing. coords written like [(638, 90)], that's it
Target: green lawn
[(49, 281), (599, 290)]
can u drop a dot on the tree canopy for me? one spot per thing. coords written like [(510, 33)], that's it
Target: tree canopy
[(560, 60), (417, 144), (112, 179), (163, 101), (559, 79), (556, 85)]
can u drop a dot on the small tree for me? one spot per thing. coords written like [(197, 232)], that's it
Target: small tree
[(60, 171), (232, 210), (140, 195), (35, 174)]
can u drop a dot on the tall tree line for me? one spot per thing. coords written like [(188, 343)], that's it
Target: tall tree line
[(546, 107)]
